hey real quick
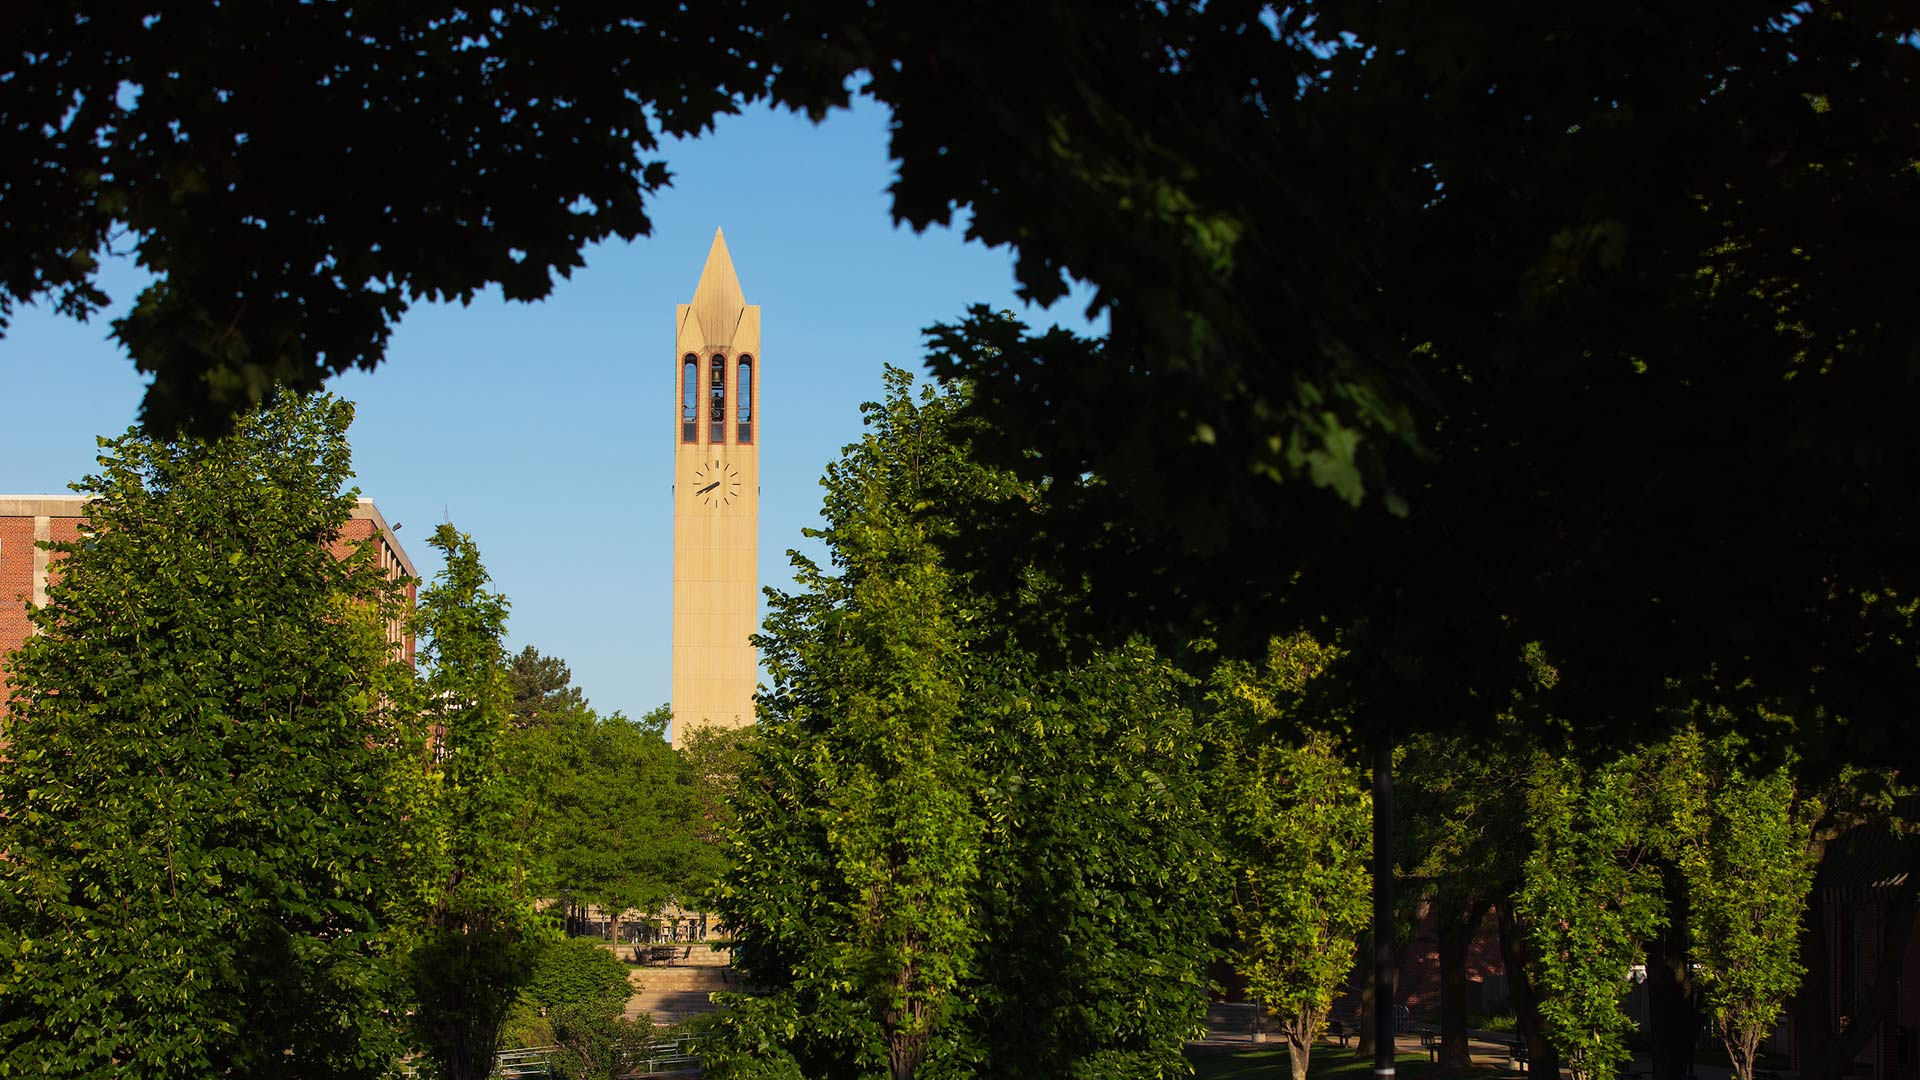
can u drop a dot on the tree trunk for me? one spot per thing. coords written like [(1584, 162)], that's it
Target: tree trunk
[(1542, 1058), (1386, 962), (1299, 1031), (1673, 1023), (1457, 927), (905, 1052), (1363, 1038), (907, 1037), (1742, 1046)]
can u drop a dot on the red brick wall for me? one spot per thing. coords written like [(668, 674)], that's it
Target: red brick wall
[(17, 552), (1420, 971), (1419, 985), (16, 585), (359, 531)]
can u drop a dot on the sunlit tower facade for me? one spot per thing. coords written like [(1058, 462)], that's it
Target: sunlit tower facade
[(716, 500)]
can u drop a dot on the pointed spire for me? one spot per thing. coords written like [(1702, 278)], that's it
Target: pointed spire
[(717, 301)]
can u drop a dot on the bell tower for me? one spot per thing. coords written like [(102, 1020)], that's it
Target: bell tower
[(716, 500)]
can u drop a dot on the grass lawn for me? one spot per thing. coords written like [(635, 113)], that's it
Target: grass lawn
[(1270, 1062)]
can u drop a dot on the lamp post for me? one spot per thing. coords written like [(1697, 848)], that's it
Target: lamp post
[(1383, 1042)]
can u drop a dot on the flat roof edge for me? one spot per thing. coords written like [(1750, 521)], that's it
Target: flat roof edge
[(365, 510), (43, 505), (76, 505)]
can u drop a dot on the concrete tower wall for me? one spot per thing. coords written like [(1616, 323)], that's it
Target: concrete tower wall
[(716, 501)]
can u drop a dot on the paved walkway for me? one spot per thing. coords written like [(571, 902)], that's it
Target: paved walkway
[(1488, 1050)]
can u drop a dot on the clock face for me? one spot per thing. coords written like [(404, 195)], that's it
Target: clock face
[(716, 484)]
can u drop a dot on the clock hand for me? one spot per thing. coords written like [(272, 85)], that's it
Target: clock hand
[(708, 488)]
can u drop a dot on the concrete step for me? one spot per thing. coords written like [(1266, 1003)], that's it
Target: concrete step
[(672, 994), (667, 1007), (681, 978)]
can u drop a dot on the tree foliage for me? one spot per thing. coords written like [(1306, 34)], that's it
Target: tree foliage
[(582, 989), (1589, 898), (953, 857), (1463, 834), (1443, 263), (476, 933), (715, 756), (1456, 341), (572, 971), (1746, 853), (1100, 887), (859, 839), (609, 814), (200, 867), (1298, 819), (542, 686), (625, 817)]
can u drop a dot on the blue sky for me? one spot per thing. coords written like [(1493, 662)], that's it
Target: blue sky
[(545, 430)]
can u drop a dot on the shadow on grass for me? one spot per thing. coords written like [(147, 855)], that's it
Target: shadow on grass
[(1270, 1063)]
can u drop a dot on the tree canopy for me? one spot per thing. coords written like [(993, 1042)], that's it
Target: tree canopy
[(952, 856), (1295, 822), (474, 934), (1442, 322), (200, 869)]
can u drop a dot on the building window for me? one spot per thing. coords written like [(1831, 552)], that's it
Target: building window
[(745, 408), (717, 400), (690, 399)]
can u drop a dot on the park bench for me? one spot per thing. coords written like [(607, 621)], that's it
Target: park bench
[(1430, 1042), (1337, 1030), (1517, 1054), (667, 954)]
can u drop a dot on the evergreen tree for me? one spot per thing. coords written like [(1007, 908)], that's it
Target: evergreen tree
[(198, 825), (541, 685)]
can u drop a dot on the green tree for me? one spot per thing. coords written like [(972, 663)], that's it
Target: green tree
[(714, 756), (582, 990), (1461, 814), (627, 817), (858, 839), (1298, 816), (1051, 864), (1589, 898), (203, 735), (1683, 386), (571, 971), (1747, 858), (475, 934), (1099, 897), (541, 685)]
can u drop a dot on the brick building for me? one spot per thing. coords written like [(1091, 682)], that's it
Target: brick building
[(26, 568), (1419, 985)]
